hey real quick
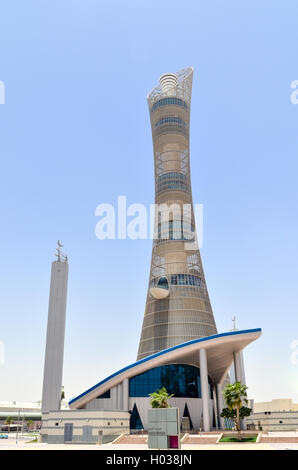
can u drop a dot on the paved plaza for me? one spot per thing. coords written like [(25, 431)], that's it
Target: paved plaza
[(276, 441)]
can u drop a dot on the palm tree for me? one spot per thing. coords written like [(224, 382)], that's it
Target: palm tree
[(62, 396), (235, 396), (8, 421), (159, 399), (29, 424)]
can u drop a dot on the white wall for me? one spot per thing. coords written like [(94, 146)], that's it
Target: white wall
[(195, 407)]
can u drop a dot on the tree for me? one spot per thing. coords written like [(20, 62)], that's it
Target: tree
[(29, 423), (62, 396), (9, 420), (231, 414), (235, 395), (159, 399)]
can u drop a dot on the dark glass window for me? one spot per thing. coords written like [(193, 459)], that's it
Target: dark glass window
[(107, 394), (186, 280), (135, 420), (163, 283), (187, 415), (170, 120), (175, 230), (171, 101), (183, 380), (172, 180)]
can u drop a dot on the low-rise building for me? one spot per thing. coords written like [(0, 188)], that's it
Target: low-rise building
[(23, 412), (276, 415), (83, 426)]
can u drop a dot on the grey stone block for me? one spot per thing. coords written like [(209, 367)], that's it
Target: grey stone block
[(162, 422), (172, 428), (162, 442), (171, 414), (161, 414), (161, 426), (152, 442), (152, 416)]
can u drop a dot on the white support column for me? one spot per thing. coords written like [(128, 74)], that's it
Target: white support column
[(237, 365), (220, 405), (215, 405), (119, 397), (240, 376), (114, 400), (243, 381), (125, 394), (204, 389)]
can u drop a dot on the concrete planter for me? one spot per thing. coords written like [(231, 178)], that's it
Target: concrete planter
[(234, 434), (163, 428)]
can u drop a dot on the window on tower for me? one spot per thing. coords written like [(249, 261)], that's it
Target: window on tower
[(171, 101)]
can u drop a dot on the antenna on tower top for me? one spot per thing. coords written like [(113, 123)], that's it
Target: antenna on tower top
[(60, 256), (234, 324)]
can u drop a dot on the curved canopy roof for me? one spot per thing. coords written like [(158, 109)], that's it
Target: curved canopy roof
[(219, 348)]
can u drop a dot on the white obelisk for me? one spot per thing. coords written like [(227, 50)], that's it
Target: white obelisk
[(53, 365)]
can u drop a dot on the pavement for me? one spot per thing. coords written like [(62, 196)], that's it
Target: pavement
[(194, 442), (115, 447)]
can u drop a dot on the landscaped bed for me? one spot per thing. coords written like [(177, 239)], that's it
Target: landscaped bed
[(235, 439)]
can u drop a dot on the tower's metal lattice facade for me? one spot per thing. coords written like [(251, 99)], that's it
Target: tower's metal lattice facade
[(178, 308)]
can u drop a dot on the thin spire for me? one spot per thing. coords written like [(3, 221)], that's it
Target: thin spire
[(234, 324), (61, 257)]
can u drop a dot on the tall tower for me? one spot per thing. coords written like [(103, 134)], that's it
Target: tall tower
[(178, 308), (53, 365)]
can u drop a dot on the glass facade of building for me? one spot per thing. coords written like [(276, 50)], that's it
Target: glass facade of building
[(172, 181), (135, 421), (107, 394), (175, 230), (186, 280), (182, 380), (170, 120), (178, 280), (163, 283), (171, 101)]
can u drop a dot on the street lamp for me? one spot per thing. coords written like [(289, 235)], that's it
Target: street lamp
[(17, 435)]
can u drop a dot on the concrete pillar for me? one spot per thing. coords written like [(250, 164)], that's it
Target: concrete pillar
[(220, 405), (53, 364), (125, 395), (204, 389), (243, 381), (114, 400), (215, 408), (237, 365), (242, 370), (240, 376), (119, 397)]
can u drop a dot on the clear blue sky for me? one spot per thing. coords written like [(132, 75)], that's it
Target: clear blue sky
[(75, 132)]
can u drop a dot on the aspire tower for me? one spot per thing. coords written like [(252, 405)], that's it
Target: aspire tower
[(178, 307)]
